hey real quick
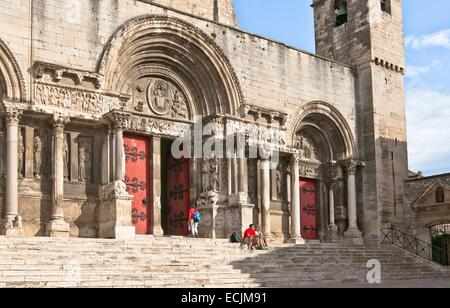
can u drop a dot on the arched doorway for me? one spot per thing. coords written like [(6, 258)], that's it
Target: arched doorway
[(174, 74), (325, 143), (440, 239)]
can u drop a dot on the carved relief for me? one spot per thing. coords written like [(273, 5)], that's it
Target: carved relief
[(307, 149), (37, 160), (76, 100), (21, 154), (157, 127), (85, 159), (279, 181), (66, 158), (210, 175), (159, 97)]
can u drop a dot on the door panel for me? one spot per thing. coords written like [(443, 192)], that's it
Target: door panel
[(177, 195), (137, 178), (308, 213)]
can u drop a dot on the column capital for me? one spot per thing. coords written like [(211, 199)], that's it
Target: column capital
[(60, 120), (13, 115), (332, 171), (118, 119), (351, 165), (296, 158)]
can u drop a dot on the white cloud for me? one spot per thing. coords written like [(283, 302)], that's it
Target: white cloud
[(429, 129), (437, 39), (414, 72)]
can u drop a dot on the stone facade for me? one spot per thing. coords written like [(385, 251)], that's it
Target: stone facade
[(76, 76)]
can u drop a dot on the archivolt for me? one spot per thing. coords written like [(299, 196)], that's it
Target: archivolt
[(329, 123), (12, 83), (156, 43)]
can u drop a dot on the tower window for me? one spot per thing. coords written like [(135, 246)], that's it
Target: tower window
[(340, 8), (440, 196), (386, 6)]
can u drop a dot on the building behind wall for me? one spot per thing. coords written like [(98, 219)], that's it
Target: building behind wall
[(97, 91)]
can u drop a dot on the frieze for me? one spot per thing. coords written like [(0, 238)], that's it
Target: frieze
[(157, 127), (75, 100), (309, 169)]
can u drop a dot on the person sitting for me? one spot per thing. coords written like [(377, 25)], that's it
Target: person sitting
[(250, 237), (260, 240)]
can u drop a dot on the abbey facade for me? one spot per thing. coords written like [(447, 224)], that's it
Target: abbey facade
[(96, 92)]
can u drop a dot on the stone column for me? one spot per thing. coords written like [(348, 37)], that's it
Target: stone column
[(13, 222), (353, 235), (114, 219), (156, 188), (265, 199), (57, 227), (332, 228), (296, 235)]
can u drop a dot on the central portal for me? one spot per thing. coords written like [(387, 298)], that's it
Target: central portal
[(175, 192)]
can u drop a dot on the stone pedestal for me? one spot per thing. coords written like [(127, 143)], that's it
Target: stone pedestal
[(353, 237), (115, 212), (58, 228), (208, 208)]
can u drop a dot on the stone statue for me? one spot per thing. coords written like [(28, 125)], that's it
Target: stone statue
[(214, 174), (279, 183), (66, 158), (21, 152), (205, 175), (37, 156), (82, 166)]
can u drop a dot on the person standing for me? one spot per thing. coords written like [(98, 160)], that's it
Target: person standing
[(193, 221)]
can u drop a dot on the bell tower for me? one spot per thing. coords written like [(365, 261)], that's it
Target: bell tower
[(368, 35)]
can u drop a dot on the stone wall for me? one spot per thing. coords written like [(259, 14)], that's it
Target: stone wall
[(423, 212)]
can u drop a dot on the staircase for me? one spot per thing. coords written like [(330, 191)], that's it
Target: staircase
[(183, 262)]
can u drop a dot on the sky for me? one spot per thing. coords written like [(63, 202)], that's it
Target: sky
[(427, 82)]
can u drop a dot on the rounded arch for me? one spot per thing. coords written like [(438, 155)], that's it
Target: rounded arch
[(154, 44), (325, 124), (12, 83)]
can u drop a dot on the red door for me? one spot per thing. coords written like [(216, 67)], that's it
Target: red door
[(137, 178), (308, 215), (177, 195)]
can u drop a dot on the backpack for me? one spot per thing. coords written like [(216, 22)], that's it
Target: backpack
[(197, 216), (235, 238)]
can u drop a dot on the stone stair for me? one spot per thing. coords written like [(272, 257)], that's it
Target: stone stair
[(186, 262)]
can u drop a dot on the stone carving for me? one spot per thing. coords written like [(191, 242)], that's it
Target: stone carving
[(21, 154), (157, 127), (84, 160), (139, 107), (307, 149), (37, 156), (113, 191), (13, 115), (210, 174), (159, 97), (66, 158), (164, 98), (279, 180), (75, 100)]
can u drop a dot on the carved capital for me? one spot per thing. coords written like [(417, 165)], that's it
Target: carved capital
[(13, 115), (332, 185), (296, 158), (331, 171), (60, 120), (351, 166), (118, 119)]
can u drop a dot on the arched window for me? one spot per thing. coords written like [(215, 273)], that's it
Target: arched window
[(386, 6), (440, 196), (340, 7)]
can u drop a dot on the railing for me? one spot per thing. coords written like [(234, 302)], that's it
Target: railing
[(415, 246)]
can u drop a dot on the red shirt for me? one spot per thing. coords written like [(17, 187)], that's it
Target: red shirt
[(191, 214), (249, 233)]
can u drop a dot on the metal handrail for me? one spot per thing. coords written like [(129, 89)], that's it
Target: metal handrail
[(415, 246)]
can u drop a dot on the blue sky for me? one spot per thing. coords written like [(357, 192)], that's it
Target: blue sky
[(427, 83)]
